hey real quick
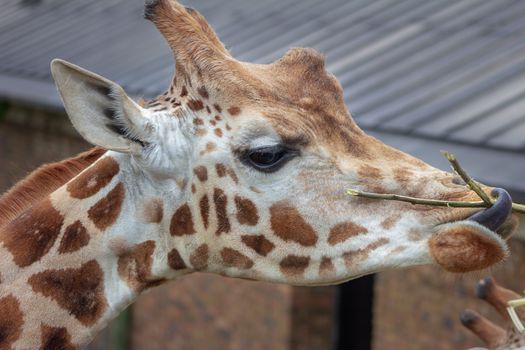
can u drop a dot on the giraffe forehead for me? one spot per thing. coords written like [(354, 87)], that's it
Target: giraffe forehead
[(323, 127), (298, 80), (298, 75)]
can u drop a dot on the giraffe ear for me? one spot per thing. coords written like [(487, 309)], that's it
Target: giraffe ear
[(100, 110)]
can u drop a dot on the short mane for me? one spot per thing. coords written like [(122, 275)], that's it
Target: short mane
[(43, 181)]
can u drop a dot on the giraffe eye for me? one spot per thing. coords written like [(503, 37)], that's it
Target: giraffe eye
[(268, 159)]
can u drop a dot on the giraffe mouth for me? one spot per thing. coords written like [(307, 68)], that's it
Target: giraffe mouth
[(496, 217), (476, 242)]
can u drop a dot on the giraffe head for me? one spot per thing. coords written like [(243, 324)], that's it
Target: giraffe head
[(243, 168)]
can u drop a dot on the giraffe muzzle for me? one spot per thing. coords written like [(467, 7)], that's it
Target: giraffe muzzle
[(495, 217)]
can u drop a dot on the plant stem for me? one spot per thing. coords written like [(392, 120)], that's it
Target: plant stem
[(520, 208), (473, 185), (414, 200)]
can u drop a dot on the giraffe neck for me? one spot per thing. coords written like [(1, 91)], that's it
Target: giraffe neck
[(74, 259)]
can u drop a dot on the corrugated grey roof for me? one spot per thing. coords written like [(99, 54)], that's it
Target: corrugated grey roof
[(419, 74)]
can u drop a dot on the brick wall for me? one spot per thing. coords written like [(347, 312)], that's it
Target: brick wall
[(419, 308)]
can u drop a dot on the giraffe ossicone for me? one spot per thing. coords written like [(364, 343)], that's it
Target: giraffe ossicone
[(238, 169)]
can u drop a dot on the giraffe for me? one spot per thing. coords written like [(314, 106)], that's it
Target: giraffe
[(238, 169), (494, 336)]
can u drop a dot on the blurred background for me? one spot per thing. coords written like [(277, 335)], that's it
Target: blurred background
[(420, 75)]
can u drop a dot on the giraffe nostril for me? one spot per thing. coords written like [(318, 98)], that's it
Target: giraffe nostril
[(456, 180)]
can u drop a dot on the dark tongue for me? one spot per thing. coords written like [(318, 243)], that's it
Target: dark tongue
[(493, 217)]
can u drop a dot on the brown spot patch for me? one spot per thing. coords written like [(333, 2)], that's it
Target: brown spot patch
[(210, 147), (403, 176), (119, 245), (201, 132), (369, 172), (234, 111), (79, 291), (182, 222), (93, 179), (204, 205), (199, 258), (106, 211), (218, 118), (326, 268), (154, 211), (175, 261), (288, 224), (414, 235), (258, 243), (213, 122), (415, 186), (201, 172), (182, 183), (217, 108), (221, 170), (198, 121), (234, 258), (193, 188), (31, 235), (134, 266), (195, 105), (294, 265), (203, 92), (246, 211), (228, 127), (218, 132), (461, 248), (183, 91), (390, 221), (343, 231), (55, 338), (11, 321), (208, 109), (354, 257), (372, 177), (255, 189), (233, 175), (75, 237), (398, 250), (221, 202)]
